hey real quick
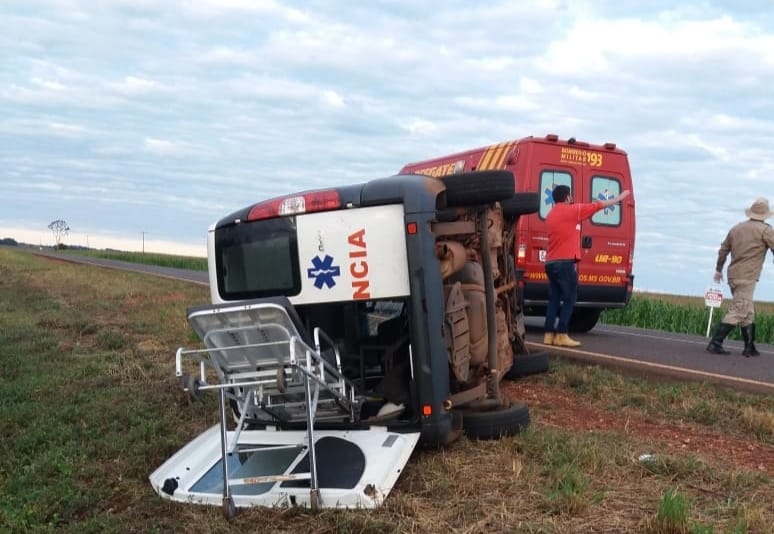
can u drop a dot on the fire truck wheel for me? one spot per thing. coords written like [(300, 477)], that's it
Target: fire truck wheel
[(483, 188), (520, 204), (494, 424), (527, 364), (584, 319)]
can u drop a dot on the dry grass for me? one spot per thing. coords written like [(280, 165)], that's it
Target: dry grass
[(90, 407), (760, 422)]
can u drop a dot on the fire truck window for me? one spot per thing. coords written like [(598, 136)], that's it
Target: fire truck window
[(603, 188), (548, 181)]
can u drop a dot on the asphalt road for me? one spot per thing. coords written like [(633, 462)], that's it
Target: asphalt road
[(197, 277), (636, 350), (653, 352)]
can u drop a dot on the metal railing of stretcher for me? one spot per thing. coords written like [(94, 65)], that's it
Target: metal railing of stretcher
[(268, 371)]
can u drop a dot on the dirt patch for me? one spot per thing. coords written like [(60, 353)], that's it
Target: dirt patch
[(562, 409)]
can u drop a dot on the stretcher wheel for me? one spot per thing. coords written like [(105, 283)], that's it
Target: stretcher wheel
[(314, 500), (191, 384), (229, 509), (282, 384)]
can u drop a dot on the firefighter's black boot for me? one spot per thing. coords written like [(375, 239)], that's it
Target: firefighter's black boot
[(748, 334), (716, 343)]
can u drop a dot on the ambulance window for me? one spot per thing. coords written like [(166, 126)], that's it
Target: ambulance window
[(548, 181), (257, 259), (603, 188)]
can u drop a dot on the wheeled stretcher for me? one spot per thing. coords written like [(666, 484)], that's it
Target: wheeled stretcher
[(259, 360)]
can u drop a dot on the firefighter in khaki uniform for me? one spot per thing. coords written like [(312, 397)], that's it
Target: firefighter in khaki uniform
[(747, 242)]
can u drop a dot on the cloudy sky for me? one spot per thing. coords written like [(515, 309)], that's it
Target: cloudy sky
[(140, 122)]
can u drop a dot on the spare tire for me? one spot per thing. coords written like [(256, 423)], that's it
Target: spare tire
[(494, 424), (477, 188)]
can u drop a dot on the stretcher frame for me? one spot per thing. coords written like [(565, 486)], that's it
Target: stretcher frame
[(263, 365)]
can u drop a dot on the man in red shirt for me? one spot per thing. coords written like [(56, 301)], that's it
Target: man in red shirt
[(564, 252)]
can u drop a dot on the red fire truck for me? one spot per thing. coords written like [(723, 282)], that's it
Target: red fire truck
[(607, 239)]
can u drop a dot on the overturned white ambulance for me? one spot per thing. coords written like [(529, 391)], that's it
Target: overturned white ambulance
[(346, 326)]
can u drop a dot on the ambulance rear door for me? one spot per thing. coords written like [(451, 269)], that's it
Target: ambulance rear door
[(355, 469), (607, 238), (539, 169)]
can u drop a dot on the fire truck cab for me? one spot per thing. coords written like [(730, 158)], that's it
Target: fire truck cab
[(607, 239)]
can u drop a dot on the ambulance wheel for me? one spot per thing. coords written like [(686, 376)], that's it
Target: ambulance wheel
[(584, 319), (474, 189), (228, 508), (520, 204), (527, 364), (494, 424)]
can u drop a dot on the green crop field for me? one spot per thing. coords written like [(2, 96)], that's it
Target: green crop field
[(686, 315), (149, 258)]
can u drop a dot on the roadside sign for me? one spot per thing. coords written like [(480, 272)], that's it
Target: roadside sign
[(713, 297)]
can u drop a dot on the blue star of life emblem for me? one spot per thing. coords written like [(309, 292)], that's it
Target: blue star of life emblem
[(323, 272), (606, 195), (549, 196)]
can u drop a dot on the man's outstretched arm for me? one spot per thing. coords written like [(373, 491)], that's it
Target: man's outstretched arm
[(615, 200)]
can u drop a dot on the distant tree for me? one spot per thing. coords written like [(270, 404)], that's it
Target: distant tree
[(60, 229), (9, 241)]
